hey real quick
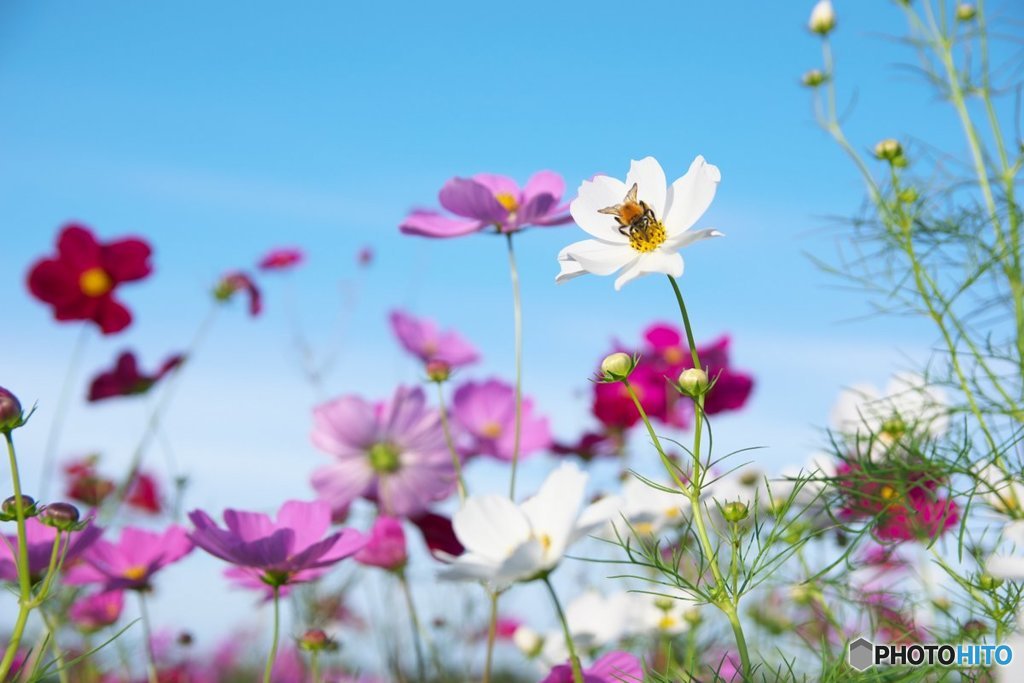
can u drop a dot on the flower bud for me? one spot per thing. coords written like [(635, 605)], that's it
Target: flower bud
[(692, 616), (62, 516), (10, 412), (663, 603), (908, 195), (735, 511), (9, 508), (528, 641), (988, 582), (438, 371), (965, 11), (889, 150), (813, 78), (693, 382), (316, 640), (617, 366), (823, 18)]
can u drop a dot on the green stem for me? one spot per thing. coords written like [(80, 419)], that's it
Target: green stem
[(62, 672), (147, 634), (414, 620), (672, 469), (314, 665), (60, 413), (446, 427), (517, 314), (492, 632), (691, 652), (25, 603), (574, 660), (272, 655)]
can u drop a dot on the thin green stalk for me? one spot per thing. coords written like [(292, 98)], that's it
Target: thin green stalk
[(60, 412), (492, 632), (456, 459), (517, 314), (314, 665), (147, 634), (25, 603), (414, 620), (729, 600), (62, 671), (574, 660), (272, 655), (691, 652)]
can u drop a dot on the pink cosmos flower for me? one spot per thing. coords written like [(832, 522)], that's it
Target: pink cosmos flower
[(144, 494), (40, 539), (278, 552), (614, 408), (386, 547), (130, 563), (393, 453), (614, 667), (487, 200), (421, 338), (282, 258), (486, 412), (97, 611), (125, 379)]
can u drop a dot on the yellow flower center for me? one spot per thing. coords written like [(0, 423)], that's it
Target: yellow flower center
[(545, 541), (672, 513), (643, 528), (492, 430), (95, 282), (649, 238), (136, 573), (887, 492), (666, 622), (507, 200)]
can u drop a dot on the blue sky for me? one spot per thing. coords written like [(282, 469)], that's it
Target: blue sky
[(218, 132)]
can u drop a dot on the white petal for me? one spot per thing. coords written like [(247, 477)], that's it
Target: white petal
[(690, 196), (669, 263), (1005, 567), (568, 269), (594, 195), (688, 237), (553, 510), (525, 562), (650, 181), (491, 526), (599, 257), (469, 567)]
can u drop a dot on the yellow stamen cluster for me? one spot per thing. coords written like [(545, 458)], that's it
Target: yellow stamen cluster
[(136, 573), (95, 282), (648, 240), (507, 200)]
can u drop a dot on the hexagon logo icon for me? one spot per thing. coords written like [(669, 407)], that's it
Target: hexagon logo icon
[(861, 654)]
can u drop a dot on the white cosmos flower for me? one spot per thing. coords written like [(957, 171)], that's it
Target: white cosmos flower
[(638, 225), (908, 406), (506, 543), (1009, 566), (646, 509), (1003, 492)]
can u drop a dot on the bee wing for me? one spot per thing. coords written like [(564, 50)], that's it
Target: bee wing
[(631, 195), (611, 210)]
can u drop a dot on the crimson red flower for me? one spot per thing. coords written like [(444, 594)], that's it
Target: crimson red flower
[(145, 495), (124, 379), (85, 485), (235, 282), (80, 280), (438, 533), (282, 258)]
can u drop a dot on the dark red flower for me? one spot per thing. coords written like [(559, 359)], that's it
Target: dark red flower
[(282, 258), (85, 485), (144, 495), (235, 282), (591, 445), (80, 280), (124, 379), (438, 533), (730, 391), (614, 407)]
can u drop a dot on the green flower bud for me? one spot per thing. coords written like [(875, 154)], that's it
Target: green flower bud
[(965, 11), (889, 150), (316, 640), (617, 366), (693, 382), (987, 582), (62, 516), (823, 18), (438, 371), (11, 416), (813, 78), (8, 510), (735, 511)]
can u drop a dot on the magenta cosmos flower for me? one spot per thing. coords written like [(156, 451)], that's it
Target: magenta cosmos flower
[(282, 258), (486, 412), (422, 338), (40, 539), (393, 453), (279, 552), (614, 667), (130, 563), (97, 611), (386, 548), (487, 200)]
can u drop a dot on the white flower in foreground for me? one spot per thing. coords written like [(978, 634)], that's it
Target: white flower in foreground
[(639, 225), (1004, 493), (1009, 566), (508, 543), (646, 509), (908, 406)]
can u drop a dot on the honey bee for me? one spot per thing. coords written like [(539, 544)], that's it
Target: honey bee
[(632, 215)]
